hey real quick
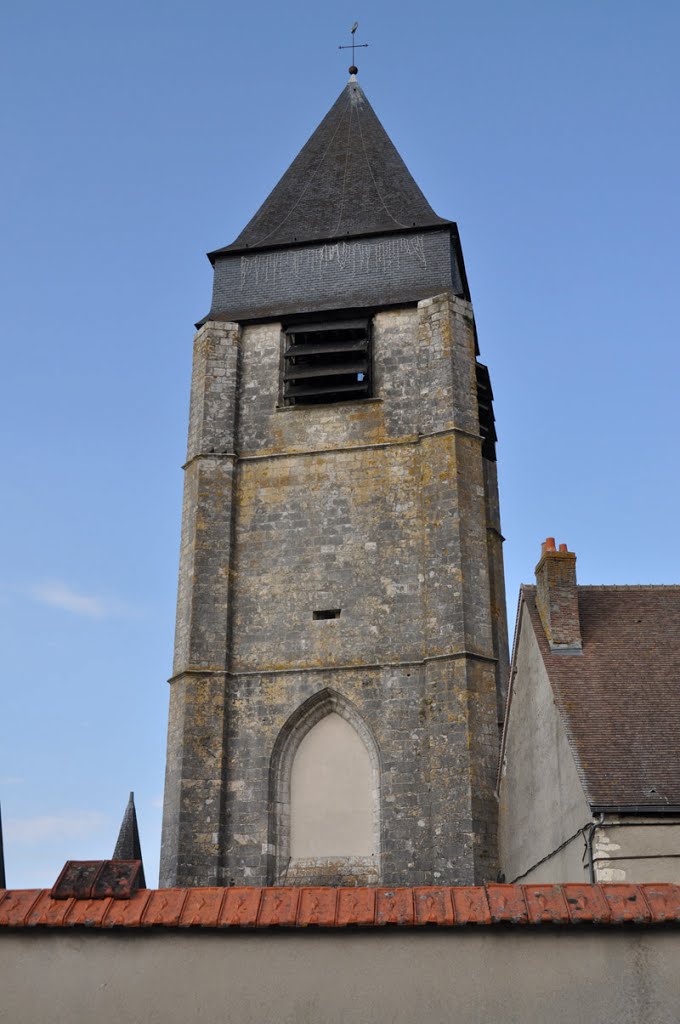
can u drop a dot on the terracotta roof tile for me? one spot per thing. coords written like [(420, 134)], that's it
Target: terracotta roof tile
[(98, 879), (119, 879), (626, 903), (507, 903), (620, 698), (586, 903), (663, 901), (77, 878), (240, 908), (15, 906), (87, 913), (291, 907), (127, 913), (356, 907), (546, 904), (395, 906), (278, 906), (48, 912), (317, 907), (470, 905), (164, 908), (433, 905), (202, 908)]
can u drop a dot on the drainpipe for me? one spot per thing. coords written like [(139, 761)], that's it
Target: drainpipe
[(590, 834)]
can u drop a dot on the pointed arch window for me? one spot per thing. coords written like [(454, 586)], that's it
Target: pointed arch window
[(325, 807)]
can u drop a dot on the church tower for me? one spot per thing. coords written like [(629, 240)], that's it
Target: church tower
[(341, 643)]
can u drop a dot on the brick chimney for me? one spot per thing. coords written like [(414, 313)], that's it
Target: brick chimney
[(557, 597)]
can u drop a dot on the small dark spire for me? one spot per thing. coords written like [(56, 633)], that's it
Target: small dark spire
[(128, 846), (3, 880)]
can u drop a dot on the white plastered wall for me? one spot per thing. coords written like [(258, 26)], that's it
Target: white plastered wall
[(542, 803)]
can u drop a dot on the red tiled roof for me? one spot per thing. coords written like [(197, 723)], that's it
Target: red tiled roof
[(620, 698), (651, 904)]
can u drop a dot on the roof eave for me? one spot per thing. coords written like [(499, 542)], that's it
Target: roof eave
[(233, 250), (655, 810), (521, 602)]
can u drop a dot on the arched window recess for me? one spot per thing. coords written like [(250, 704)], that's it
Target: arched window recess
[(324, 797)]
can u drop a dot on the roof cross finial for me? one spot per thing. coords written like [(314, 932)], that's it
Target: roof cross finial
[(354, 46)]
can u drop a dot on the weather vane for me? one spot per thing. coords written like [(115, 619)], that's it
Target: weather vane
[(354, 46)]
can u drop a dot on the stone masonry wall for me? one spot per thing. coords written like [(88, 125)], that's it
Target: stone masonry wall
[(378, 508), (499, 616)]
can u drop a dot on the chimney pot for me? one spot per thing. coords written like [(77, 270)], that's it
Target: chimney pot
[(564, 548)]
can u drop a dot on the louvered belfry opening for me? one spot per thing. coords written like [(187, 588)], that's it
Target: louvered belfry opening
[(327, 362), (487, 420)]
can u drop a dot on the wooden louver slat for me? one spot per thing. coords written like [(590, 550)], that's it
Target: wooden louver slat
[(304, 349), (301, 390), (331, 370), (330, 325)]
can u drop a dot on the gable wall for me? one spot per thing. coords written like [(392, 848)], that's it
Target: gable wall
[(542, 802)]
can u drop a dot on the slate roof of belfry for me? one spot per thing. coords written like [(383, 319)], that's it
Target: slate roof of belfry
[(248, 908), (620, 698), (347, 180)]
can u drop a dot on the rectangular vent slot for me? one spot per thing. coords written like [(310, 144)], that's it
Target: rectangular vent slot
[(328, 362), (327, 613)]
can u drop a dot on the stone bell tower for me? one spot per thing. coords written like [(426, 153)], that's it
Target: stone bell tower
[(341, 643)]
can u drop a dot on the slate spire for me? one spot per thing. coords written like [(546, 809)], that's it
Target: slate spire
[(3, 880), (347, 181), (128, 846)]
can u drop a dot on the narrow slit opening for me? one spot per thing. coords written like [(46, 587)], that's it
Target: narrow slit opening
[(326, 613)]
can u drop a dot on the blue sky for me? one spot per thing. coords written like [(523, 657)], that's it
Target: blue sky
[(139, 136)]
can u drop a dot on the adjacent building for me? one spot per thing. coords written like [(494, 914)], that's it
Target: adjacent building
[(589, 781)]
